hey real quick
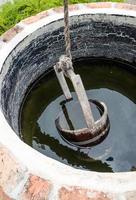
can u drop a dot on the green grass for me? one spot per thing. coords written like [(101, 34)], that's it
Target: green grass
[(10, 14)]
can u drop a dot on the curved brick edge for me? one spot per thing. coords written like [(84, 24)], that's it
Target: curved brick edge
[(36, 188), (10, 34), (82, 194), (26, 174)]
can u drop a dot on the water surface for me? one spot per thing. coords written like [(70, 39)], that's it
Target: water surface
[(109, 82)]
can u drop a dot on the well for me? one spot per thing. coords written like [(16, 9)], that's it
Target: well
[(107, 30)]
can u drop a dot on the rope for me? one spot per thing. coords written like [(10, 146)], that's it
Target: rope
[(67, 30)]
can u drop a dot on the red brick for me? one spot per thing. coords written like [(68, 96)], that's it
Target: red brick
[(8, 35), (58, 10), (99, 5), (42, 15), (31, 19), (125, 6), (11, 172), (76, 193), (36, 189), (71, 8), (35, 18)]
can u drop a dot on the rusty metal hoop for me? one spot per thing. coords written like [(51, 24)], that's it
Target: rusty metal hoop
[(86, 137)]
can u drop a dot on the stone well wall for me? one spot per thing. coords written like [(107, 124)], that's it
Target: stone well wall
[(27, 51)]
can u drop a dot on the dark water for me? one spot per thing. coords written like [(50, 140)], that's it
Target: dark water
[(105, 81)]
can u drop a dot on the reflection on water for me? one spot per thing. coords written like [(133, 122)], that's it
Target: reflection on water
[(105, 81)]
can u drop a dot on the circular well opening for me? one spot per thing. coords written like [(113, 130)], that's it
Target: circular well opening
[(107, 36)]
